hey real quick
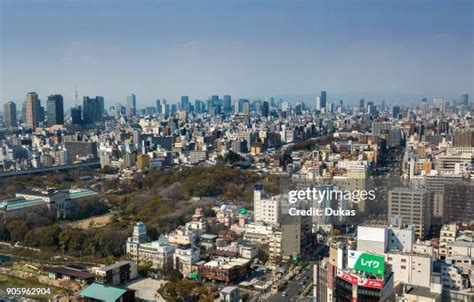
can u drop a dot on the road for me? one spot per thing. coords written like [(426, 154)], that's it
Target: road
[(294, 288)]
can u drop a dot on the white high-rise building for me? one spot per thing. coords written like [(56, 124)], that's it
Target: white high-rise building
[(266, 210)]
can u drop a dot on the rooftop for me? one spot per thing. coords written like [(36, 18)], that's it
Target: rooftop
[(102, 292), (227, 263), (422, 292), (79, 193), (72, 272), (18, 203), (115, 265)]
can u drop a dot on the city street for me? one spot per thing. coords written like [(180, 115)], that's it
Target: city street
[(294, 288)]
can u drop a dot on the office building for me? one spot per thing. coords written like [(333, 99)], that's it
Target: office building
[(323, 100), (184, 105), (265, 109), (159, 109), (91, 110), (362, 104), (116, 273), (32, 110), (76, 115), (463, 138), (9, 115), (459, 201), (410, 268), (131, 105), (55, 110), (266, 210), (227, 102), (413, 207)]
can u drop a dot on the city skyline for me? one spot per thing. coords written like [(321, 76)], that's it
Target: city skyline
[(369, 50)]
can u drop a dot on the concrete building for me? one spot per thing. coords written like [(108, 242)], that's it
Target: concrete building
[(459, 201), (159, 253), (230, 294), (266, 210), (448, 234), (9, 115), (225, 269), (380, 239), (410, 268), (117, 273), (32, 110), (412, 206), (463, 138)]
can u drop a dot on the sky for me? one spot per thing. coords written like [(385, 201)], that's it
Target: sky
[(396, 50)]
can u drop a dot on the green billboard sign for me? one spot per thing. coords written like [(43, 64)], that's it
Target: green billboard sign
[(366, 262), (193, 275)]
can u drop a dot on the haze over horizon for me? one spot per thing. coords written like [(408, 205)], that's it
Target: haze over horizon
[(399, 51)]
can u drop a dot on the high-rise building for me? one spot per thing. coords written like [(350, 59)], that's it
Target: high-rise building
[(323, 99), (267, 210), (246, 108), (216, 104), (459, 201), (465, 99), (76, 115), (32, 110), (9, 112), (55, 110), (362, 104), (464, 138), (396, 111), (91, 110), (131, 105), (413, 206), (265, 109), (227, 100), (184, 103), (159, 109)]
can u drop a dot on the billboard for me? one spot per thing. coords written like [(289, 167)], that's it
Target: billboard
[(356, 280), (366, 262)]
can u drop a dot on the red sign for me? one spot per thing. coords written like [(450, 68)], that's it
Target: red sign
[(370, 283), (360, 281)]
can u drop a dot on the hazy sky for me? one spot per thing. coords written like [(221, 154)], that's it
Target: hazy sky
[(156, 49)]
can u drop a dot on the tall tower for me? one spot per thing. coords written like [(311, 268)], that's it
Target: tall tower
[(9, 111), (131, 105), (55, 111), (32, 110)]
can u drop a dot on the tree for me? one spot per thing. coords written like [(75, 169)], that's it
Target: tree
[(17, 230)]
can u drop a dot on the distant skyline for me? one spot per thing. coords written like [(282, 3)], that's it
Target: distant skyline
[(396, 50)]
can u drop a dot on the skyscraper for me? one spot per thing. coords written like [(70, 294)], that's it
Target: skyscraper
[(91, 110), (9, 112), (131, 105), (362, 104), (265, 108), (227, 104), (158, 106), (55, 109), (32, 110), (184, 103), (216, 104), (76, 115), (465, 99), (323, 99)]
